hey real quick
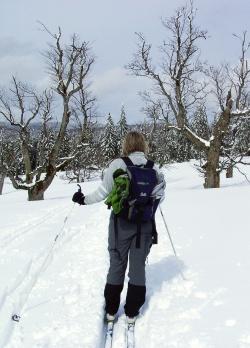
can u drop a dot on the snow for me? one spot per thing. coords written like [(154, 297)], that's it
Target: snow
[(62, 306), (203, 141), (245, 112)]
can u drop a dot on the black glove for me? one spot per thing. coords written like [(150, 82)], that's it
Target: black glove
[(78, 197)]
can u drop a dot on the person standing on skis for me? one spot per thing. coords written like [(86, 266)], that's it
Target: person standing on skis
[(128, 238)]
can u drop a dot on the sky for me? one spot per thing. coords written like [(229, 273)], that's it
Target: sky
[(110, 28)]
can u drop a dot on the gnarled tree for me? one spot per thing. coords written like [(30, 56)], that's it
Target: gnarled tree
[(68, 67), (180, 84)]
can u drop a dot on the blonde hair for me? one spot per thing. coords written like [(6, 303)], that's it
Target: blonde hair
[(134, 141)]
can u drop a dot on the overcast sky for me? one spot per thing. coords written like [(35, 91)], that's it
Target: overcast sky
[(109, 25)]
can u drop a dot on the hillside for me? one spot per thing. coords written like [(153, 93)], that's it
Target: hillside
[(63, 308)]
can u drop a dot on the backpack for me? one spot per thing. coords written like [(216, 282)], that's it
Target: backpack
[(131, 197), (120, 191)]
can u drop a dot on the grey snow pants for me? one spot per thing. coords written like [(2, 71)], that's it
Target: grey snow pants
[(121, 250)]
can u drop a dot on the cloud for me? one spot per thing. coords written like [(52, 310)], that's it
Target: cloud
[(117, 80), (21, 59), (10, 46), (111, 81), (115, 87)]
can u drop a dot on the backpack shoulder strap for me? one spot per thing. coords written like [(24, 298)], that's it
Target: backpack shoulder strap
[(127, 161), (149, 164)]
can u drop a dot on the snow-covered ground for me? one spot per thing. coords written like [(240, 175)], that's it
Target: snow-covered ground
[(63, 307)]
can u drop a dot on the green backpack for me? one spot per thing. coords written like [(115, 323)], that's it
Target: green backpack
[(119, 192)]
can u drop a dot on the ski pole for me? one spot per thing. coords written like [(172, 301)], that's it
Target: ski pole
[(171, 241), (16, 317)]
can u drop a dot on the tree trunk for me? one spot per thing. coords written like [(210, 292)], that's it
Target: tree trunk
[(212, 178), (2, 176), (229, 172), (36, 192), (35, 195), (212, 173)]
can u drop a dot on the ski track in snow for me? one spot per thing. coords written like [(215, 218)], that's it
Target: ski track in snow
[(18, 293), (62, 307), (29, 226), (27, 278)]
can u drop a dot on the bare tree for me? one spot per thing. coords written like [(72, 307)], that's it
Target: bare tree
[(85, 111), (180, 84), (239, 77), (20, 106), (236, 145), (68, 67)]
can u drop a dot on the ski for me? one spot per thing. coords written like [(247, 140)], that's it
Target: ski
[(130, 335), (109, 334)]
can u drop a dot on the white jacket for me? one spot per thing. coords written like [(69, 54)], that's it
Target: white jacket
[(106, 186)]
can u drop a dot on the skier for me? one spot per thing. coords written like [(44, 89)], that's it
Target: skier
[(123, 243)]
